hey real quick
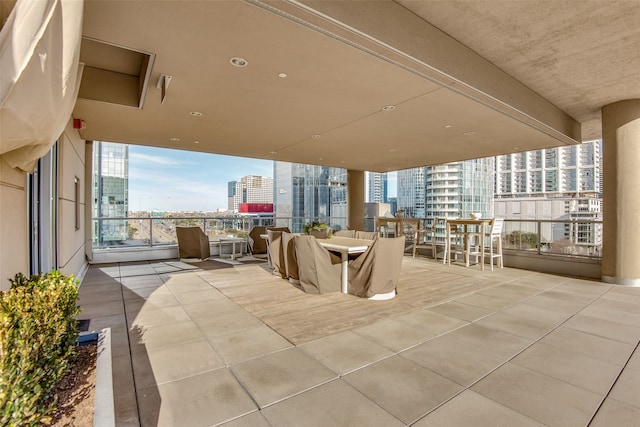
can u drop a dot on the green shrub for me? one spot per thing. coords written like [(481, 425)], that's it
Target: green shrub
[(37, 335)]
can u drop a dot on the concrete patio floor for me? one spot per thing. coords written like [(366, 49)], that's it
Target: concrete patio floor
[(203, 347)]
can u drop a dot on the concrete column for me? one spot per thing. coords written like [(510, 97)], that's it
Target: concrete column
[(621, 188), (355, 199)]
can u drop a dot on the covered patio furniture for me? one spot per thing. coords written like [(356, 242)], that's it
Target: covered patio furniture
[(318, 268), (369, 235), (375, 273), (345, 233), (257, 245), (276, 252), (290, 258), (192, 243)]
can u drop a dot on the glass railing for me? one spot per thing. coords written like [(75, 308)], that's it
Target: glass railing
[(140, 231), (579, 238), (571, 238), (574, 238)]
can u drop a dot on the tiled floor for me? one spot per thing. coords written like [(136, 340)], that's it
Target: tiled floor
[(517, 349)]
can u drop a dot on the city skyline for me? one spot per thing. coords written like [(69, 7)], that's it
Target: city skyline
[(178, 180), (170, 180)]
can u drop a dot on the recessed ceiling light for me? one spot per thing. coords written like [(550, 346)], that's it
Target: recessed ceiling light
[(516, 148), (174, 139), (392, 150), (273, 152), (282, 75), (239, 62), (447, 126), (469, 133), (316, 136), (196, 142), (388, 108), (195, 113), (319, 158)]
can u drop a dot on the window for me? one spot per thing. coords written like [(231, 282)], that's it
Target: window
[(76, 201)]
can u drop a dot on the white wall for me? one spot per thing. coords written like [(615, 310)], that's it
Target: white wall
[(14, 231), (71, 165), (14, 227)]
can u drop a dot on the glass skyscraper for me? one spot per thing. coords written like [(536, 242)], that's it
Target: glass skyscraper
[(451, 190), (305, 193), (110, 192), (377, 188)]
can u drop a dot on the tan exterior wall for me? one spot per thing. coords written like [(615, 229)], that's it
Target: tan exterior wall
[(14, 230), (71, 166), (14, 226)]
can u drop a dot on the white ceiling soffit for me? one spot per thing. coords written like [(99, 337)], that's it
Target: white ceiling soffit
[(343, 61)]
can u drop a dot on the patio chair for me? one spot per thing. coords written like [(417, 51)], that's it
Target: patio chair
[(257, 245), (192, 243), (319, 270), (290, 259), (344, 233), (276, 252), (495, 241), (375, 273), (368, 235), (420, 240)]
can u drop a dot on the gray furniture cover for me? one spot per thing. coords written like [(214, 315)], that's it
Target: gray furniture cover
[(377, 270), (276, 252), (369, 235), (257, 245), (192, 243), (319, 269), (290, 258), (345, 233)]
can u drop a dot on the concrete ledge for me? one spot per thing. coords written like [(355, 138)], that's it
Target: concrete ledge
[(104, 414), (151, 253), (555, 264)]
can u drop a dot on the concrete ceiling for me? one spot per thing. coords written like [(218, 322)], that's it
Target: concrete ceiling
[(467, 79)]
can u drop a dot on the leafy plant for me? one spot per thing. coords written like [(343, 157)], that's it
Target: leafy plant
[(314, 225), (37, 335), (522, 239)]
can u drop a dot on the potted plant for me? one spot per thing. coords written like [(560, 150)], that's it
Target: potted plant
[(318, 229)]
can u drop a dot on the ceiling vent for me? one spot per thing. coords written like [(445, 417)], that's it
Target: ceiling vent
[(114, 74)]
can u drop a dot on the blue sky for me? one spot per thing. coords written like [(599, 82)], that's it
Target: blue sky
[(177, 180)]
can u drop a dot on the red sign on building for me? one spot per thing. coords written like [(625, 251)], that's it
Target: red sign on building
[(255, 207)]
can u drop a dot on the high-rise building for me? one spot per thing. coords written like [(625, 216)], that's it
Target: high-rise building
[(450, 190), (376, 190), (305, 193), (110, 192), (564, 184), (569, 171), (251, 189), (411, 192)]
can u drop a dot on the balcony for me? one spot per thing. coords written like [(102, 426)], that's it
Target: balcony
[(217, 343), (569, 247)]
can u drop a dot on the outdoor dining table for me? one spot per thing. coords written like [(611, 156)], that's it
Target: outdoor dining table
[(345, 246), (468, 227)]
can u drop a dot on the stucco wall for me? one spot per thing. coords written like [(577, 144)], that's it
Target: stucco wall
[(14, 231), (71, 165), (14, 226)]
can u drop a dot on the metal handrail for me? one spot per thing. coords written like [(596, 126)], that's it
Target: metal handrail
[(562, 239)]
